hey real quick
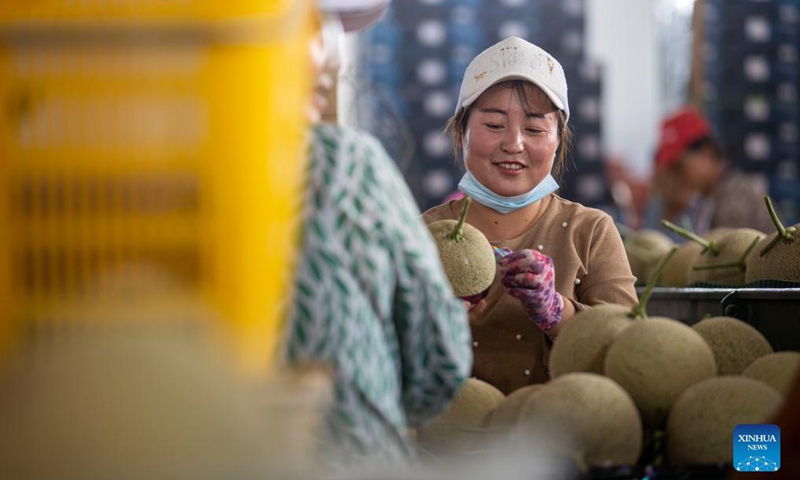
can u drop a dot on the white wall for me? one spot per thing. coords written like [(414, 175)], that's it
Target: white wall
[(622, 35)]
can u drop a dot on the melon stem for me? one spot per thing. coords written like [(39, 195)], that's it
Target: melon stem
[(785, 234), (458, 231), (706, 244), (640, 310), (653, 447), (741, 262)]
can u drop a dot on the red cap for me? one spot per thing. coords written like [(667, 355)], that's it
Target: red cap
[(679, 130)]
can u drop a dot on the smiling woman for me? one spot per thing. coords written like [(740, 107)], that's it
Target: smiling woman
[(511, 125), (511, 138)]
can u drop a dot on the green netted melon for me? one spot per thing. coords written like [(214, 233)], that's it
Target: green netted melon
[(779, 370), (734, 247), (644, 249), (677, 271), (587, 416), (656, 360), (735, 343), (458, 430), (700, 425), (778, 257), (500, 424), (582, 343), (507, 413), (466, 256), (754, 270), (782, 261)]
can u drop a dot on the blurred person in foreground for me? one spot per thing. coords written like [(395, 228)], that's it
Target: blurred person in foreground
[(371, 300), (693, 184), (511, 124)]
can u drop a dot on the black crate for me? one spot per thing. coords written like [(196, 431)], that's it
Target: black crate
[(775, 312)]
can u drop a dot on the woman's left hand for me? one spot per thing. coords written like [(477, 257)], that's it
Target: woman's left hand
[(530, 277), (475, 310)]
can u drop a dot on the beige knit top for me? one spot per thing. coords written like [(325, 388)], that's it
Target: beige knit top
[(510, 352)]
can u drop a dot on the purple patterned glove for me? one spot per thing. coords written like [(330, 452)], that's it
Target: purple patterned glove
[(530, 277)]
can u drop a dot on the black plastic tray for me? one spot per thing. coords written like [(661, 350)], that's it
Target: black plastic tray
[(775, 312)]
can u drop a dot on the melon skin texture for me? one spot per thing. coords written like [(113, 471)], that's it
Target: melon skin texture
[(469, 263), (700, 426), (735, 343), (678, 269), (656, 360), (645, 248), (457, 430), (782, 261), (507, 414), (778, 370), (755, 269), (500, 424), (582, 343), (732, 245), (587, 416)]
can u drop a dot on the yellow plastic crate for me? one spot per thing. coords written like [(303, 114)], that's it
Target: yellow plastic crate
[(160, 10), (176, 143)]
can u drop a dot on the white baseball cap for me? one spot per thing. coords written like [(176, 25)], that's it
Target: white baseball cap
[(355, 14), (514, 59)]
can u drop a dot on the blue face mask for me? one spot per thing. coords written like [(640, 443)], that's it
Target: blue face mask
[(472, 187)]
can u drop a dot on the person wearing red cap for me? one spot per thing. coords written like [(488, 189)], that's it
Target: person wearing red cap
[(694, 185)]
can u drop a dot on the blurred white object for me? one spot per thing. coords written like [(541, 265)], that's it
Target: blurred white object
[(355, 14), (148, 402)]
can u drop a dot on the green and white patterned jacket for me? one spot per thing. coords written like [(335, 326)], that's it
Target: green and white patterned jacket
[(372, 301)]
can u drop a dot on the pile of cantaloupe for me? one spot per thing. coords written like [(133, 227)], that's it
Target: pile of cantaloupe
[(621, 379), (724, 256), (694, 384), (720, 258)]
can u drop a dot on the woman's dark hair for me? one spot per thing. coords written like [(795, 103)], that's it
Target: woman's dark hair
[(456, 126)]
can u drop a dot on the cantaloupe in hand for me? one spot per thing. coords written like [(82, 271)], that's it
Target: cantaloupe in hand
[(656, 360), (779, 370), (457, 430), (586, 415), (735, 343), (701, 423), (466, 256)]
